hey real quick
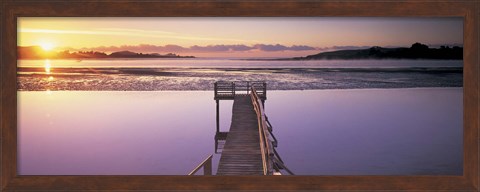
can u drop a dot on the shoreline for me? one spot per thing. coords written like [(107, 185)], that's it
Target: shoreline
[(155, 79)]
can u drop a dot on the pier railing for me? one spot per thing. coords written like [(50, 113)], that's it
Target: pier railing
[(225, 90), (206, 165), (272, 163)]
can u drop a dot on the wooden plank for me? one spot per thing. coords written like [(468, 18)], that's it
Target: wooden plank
[(241, 153)]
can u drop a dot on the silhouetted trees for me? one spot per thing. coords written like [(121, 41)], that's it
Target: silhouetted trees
[(416, 51)]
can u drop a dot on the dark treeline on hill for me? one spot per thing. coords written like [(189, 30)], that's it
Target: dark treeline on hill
[(416, 51), (35, 52)]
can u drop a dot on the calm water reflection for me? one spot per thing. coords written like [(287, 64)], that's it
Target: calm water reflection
[(321, 132), (114, 132), (370, 131)]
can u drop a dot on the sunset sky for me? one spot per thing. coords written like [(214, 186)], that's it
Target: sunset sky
[(235, 37)]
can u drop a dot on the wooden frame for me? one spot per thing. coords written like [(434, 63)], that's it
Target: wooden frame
[(10, 10)]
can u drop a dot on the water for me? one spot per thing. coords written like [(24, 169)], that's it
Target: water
[(236, 63), (370, 131), (321, 132), (82, 133), (358, 117)]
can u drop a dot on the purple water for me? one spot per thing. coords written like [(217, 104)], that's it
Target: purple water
[(321, 132)]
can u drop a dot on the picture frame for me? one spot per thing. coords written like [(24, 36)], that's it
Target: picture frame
[(11, 10)]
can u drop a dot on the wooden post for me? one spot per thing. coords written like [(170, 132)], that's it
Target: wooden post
[(264, 90), (216, 143), (207, 167), (215, 90), (218, 115), (233, 89)]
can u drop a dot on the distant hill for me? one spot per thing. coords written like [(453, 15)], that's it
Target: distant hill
[(123, 54), (416, 51), (129, 54), (36, 52)]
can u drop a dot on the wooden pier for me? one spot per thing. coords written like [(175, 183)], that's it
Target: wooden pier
[(249, 147)]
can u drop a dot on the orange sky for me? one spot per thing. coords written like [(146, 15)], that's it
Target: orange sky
[(235, 37)]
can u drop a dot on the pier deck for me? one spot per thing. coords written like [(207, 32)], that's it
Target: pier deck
[(241, 154), (249, 145)]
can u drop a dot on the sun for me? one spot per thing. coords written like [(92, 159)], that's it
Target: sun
[(46, 46)]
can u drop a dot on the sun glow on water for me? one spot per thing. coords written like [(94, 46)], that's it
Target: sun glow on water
[(47, 66)]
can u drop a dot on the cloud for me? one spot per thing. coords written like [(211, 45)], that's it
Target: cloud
[(144, 48), (219, 48), (233, 48), (301, 48), (135, 30), (134, 33), (209, 48), (336, 48), (147, 48), (278, 47), (29, 30)]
